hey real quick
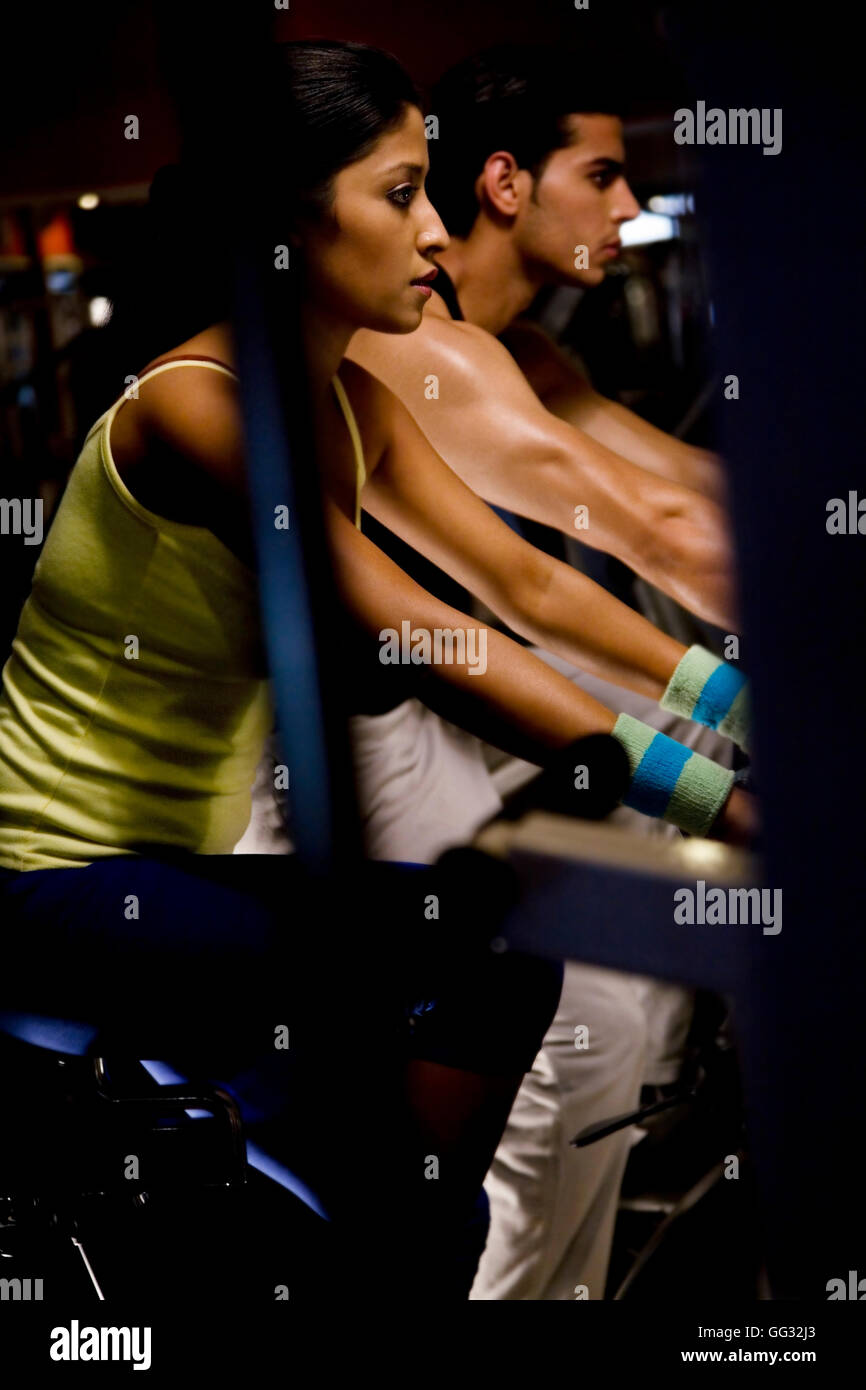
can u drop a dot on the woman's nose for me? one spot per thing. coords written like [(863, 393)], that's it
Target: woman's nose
[(434, 236)]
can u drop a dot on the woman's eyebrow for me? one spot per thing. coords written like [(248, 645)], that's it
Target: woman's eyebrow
[(410, 168)]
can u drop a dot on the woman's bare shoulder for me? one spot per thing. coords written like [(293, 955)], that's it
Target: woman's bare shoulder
[(193, 415), (376, 408), (213, 344)]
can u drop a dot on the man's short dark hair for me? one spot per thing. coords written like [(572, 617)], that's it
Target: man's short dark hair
[(508, 97)]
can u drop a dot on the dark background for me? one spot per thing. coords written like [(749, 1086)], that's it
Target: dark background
[(780, 251)]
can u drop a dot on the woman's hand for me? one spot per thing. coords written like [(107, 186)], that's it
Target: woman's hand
[(738, 822)]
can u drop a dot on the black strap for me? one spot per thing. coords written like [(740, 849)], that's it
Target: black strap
[(444, 287)]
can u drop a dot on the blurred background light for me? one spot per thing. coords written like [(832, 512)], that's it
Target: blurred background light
[(648, 227), (672, 204), (99, 310)]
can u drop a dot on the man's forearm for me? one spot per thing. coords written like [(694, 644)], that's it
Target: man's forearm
[(565, 391), (690, 557), (668, 534), (640, 442)]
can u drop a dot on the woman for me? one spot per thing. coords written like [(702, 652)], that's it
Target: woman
[(135, 704)]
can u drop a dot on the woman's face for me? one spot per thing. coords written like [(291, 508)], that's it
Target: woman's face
[(379, 236)]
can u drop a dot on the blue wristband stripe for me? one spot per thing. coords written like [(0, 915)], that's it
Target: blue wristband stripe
[(656, 776), (717, 696), (670, 781)]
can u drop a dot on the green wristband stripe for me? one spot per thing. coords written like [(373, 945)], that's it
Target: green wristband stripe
[(712, 692), (737, 723), (701, 791), (671, 781), (635, 738), (688, 680)]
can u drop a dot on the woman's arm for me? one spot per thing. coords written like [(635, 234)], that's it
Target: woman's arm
[(415, 494), (516, 695), (545, 710), (533, 709)]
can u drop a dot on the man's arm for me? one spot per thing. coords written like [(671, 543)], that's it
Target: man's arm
[(565, 391), (414, 493), (473, 403)]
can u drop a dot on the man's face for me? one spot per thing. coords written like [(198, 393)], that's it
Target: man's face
[(581, 199)]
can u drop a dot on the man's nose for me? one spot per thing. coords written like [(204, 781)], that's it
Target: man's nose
[(627, 206)]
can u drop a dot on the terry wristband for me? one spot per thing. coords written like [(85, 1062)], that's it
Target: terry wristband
[(669, 780), (712, 692)]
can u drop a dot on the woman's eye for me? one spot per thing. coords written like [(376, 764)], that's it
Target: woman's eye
[(403, 196)]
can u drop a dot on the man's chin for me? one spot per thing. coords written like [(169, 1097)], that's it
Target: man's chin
[(588, 279)]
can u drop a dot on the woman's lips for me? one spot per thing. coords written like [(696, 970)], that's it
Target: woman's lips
[(424, 281)]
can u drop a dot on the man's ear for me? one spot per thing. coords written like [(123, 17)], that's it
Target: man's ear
[(500, 187)]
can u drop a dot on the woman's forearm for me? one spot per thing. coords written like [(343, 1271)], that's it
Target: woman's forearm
[(533, 708), (560, 609), (507, 684), (540, 710)]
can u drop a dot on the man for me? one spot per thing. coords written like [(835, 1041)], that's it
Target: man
[(527, 169), (523, 182)]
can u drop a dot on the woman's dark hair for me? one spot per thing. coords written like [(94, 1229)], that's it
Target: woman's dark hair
[(341, 98), (333, 101)]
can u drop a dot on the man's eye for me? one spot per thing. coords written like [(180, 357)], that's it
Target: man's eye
[(403, 196), (603, 179)]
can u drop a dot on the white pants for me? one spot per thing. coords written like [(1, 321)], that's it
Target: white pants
[(424, 785)]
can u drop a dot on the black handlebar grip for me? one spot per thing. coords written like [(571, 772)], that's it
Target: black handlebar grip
[(587, 779)]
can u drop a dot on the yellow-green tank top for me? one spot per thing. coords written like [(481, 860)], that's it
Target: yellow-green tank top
[(135, 702)]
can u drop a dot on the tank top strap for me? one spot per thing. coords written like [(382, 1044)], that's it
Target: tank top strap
[(360, 467), (108, 415), (188, 361), (345, 404)]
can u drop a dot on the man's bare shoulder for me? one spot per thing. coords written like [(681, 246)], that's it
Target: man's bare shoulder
[(439, 345), (542, 361)]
